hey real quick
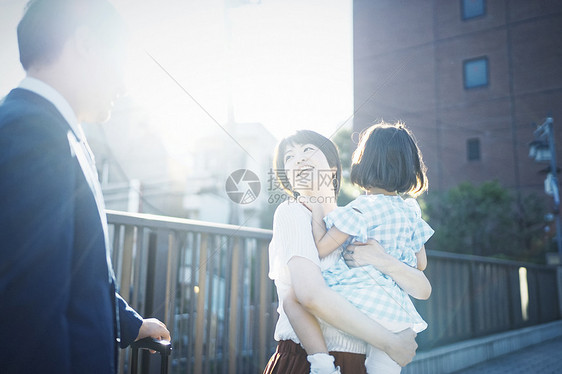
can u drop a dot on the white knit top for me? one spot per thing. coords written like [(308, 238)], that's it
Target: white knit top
[(292, 236)]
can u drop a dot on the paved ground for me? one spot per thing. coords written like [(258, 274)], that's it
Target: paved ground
[(543, 358)]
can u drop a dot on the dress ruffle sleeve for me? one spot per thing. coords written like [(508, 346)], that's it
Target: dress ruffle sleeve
[(422, 230), (350, 220)]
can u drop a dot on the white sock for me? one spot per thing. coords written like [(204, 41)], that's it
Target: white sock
[(321, 363)]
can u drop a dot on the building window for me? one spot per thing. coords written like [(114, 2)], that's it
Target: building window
[(473, 8), (473, 149), (476, 73)]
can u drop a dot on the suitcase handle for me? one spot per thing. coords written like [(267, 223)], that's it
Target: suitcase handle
[(164, 347)]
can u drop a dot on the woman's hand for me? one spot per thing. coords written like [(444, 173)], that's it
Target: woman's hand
[(361, 254), (410, 279), (403, 347)]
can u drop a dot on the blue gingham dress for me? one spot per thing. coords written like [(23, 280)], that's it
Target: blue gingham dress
[(397, 225)]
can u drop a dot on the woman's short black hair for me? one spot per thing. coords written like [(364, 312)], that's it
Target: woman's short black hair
[(388, 157), (47, 24), (325, 145)]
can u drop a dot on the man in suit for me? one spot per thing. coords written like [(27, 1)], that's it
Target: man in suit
[(59, 310)]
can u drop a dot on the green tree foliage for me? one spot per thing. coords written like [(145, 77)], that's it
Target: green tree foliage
[(487, 220), (343, 140)]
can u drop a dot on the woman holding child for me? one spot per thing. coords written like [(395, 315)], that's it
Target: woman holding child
[(299, 272)]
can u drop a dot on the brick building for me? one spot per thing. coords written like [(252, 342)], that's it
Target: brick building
[(469, 77)]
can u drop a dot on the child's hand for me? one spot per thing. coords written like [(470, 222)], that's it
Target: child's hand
[(304, 200)]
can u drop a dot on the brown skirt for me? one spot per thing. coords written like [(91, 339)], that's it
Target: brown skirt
[(290, 358)]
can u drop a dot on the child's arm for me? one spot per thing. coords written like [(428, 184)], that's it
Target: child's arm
[(421, 256), (326, 241)]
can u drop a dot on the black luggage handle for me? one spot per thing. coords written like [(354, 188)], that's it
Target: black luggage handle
[(164, 347)]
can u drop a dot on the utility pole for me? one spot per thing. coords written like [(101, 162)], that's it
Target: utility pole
[(543, 149)]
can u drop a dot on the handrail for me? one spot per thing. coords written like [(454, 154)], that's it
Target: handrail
[(163, 222), (156, 221), (491, 260)]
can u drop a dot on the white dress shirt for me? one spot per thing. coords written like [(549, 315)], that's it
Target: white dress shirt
[(77, 141)]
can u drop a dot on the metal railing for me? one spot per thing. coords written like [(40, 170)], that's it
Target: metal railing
[(208, 283), (476, 296)]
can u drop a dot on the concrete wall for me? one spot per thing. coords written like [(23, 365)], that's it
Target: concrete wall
[(462, 355)]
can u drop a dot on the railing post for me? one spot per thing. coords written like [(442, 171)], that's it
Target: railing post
[(125, 274), (510, 303), (201, 297), (127, 263), (559, 288), (472, 306), (156, 286), (234, 299), (264, 303), (171, 279), (157, 268)]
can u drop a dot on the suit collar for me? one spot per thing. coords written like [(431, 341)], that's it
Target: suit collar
[(54, 97)]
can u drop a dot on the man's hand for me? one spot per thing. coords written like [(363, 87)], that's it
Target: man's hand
[(403, 348), (153, 328)]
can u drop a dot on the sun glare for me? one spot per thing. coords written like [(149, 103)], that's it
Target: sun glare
[(524, 291), (285, 64)]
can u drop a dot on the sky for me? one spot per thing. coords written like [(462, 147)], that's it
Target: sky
[(284, 63)]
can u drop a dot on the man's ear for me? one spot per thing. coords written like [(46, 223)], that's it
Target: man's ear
[(83, 41)]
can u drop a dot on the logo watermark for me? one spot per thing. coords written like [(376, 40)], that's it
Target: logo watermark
[(303, 180), (243, 186), (277, 198)]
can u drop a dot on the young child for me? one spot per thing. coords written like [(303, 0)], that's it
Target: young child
[(387, 163)]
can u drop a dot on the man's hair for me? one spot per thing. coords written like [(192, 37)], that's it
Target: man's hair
[(388, 157), (47, 25), (301, 137)]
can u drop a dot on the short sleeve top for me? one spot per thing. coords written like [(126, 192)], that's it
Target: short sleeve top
[(394, 222)]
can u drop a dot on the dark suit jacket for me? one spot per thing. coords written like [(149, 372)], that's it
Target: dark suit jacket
[(59, 310)]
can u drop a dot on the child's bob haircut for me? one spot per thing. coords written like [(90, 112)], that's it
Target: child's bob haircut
[(388, 157), (301, 137)]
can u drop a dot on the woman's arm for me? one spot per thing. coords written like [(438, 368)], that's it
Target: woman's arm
[(410, 279), (313, 294)]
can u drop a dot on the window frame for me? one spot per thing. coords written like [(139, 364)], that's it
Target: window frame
[(464, 17), (478, 149), (464, 72)]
